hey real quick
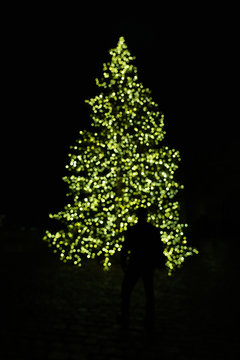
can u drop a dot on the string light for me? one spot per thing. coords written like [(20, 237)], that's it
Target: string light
[(117, 167)]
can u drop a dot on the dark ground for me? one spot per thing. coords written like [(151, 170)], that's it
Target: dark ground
[(57, 311)]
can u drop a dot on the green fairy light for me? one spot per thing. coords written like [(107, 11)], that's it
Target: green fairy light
[(117, 167)]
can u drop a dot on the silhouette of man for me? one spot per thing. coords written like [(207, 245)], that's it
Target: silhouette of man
[(142, 252)]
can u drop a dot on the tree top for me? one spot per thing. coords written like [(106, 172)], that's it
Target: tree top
[(120, 65)]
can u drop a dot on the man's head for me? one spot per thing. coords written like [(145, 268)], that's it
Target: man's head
[(142, 214)]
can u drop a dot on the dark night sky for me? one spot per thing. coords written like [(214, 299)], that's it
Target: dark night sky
[(51, 62)]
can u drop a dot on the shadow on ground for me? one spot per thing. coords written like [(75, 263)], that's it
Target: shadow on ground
[(56, 311)]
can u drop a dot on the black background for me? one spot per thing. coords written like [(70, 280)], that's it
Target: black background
[(51, 58)]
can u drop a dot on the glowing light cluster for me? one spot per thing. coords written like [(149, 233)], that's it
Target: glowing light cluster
[(117, 167)]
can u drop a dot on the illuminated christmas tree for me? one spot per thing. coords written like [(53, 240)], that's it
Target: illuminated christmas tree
[(117, 167)]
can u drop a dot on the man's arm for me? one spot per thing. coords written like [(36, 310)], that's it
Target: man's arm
[(160, 258), (125, 251)]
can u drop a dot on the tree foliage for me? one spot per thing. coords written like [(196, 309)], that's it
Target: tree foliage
[(117, 167)]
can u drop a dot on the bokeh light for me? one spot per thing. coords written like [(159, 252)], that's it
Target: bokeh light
[(117, 167)]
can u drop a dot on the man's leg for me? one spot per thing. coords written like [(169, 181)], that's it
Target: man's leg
[(148, 277), (130, 279)]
